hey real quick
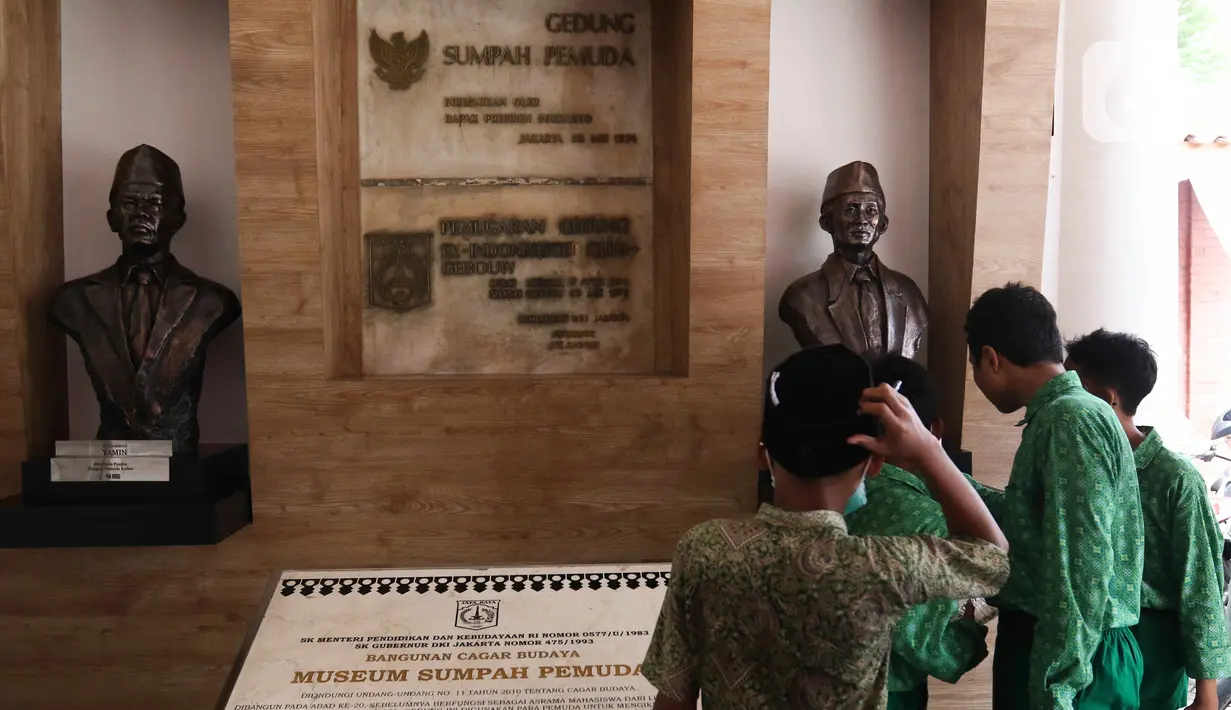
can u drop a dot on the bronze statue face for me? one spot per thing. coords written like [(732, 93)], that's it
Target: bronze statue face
[(855, 220), (145, 215)]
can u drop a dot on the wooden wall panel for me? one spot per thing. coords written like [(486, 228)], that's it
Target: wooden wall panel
[(993, 85), (957, 53), (33, 385), (1014, 154), (448, 471)]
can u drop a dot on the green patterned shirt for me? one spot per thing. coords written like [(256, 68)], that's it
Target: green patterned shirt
[(1072, 515), (788, 611), (1183, 556), (927, 642)]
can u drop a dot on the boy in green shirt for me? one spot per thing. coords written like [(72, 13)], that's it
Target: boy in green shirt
[(1072, 514), (1183, 628), (787, 610), (940, 638)]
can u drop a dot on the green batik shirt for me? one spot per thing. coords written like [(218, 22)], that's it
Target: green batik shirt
[(788, 611), (1183, 556), (1072, 515), (927, 642)]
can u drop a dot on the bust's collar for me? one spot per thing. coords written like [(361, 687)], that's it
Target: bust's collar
[(839, 272), (162, 269)]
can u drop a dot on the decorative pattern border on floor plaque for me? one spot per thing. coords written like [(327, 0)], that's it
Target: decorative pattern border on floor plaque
[(552, 638), (314, 587)]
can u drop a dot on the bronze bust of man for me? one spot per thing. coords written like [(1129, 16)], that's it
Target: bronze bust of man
[(854, 299), (144, 323)]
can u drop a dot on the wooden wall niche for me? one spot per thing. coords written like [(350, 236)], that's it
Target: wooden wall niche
[(344, 203), (493, 469)]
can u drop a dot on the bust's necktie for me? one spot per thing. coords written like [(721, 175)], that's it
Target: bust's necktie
[(141, 316), (870, 311)]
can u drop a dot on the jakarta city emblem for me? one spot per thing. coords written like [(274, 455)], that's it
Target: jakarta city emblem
[(400, 270), (477, 615), (399, 63)]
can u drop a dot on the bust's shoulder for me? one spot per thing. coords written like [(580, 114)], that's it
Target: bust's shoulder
[(209, 292), (77, 285), (901, 280), (904, 285), (812, 285), (74, 289)]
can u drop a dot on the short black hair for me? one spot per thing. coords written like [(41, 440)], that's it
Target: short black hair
[(917, 385), (1118, 360), (1018, 323), (811, 408)]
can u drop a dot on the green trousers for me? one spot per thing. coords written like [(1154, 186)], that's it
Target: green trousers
[(1164, 684), (1117, 669), (916, 699)]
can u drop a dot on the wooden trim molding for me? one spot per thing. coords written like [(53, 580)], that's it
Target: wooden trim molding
[(33, 381)]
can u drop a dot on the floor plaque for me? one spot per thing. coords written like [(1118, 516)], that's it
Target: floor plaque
[(551, 638)]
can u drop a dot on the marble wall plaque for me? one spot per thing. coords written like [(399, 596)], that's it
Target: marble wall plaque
[(79, 469), (114, 448), (508, 280), (504, 88), (551, 638)]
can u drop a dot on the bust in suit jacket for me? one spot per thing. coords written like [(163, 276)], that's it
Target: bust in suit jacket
[(854, 299), (144, 323)]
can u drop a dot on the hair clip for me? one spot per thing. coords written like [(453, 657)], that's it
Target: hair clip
[(773, 388)]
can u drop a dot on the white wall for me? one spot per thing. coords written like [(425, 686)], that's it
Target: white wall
[(1051, 229), (156, 72), (848, 81), (1118, 228)]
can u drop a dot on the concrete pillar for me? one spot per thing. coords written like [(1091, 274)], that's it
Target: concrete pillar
[(1118, 262)]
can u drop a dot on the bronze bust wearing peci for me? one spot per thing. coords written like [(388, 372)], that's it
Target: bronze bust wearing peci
[(854, 299), (144, 323)]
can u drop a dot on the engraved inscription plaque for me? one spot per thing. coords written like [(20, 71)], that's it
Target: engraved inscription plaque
[(508, 88), (506, 162), (533, 280)]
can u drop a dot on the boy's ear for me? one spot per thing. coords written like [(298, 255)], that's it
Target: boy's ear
[(1107, 394), (875, 465), (988, 357), (938, 428)]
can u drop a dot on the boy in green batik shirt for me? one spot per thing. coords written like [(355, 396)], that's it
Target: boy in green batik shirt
[(786, 610), (940, 638), (1072, 514), (1183, 628)]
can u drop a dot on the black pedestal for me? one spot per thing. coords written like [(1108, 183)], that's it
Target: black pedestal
[(205, 502)]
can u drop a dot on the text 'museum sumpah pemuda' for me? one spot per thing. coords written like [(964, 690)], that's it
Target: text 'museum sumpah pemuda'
[(506, 155), (549, 638)]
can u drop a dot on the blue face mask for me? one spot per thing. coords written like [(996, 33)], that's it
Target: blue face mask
[(858, 499)]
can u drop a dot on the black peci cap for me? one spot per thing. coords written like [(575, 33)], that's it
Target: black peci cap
[(812, 407)]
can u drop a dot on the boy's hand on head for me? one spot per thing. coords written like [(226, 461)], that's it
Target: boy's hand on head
[(904, 441)]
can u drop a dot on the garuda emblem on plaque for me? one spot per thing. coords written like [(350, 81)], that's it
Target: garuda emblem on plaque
[(400, 270), (399, 63), (477, 615)]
